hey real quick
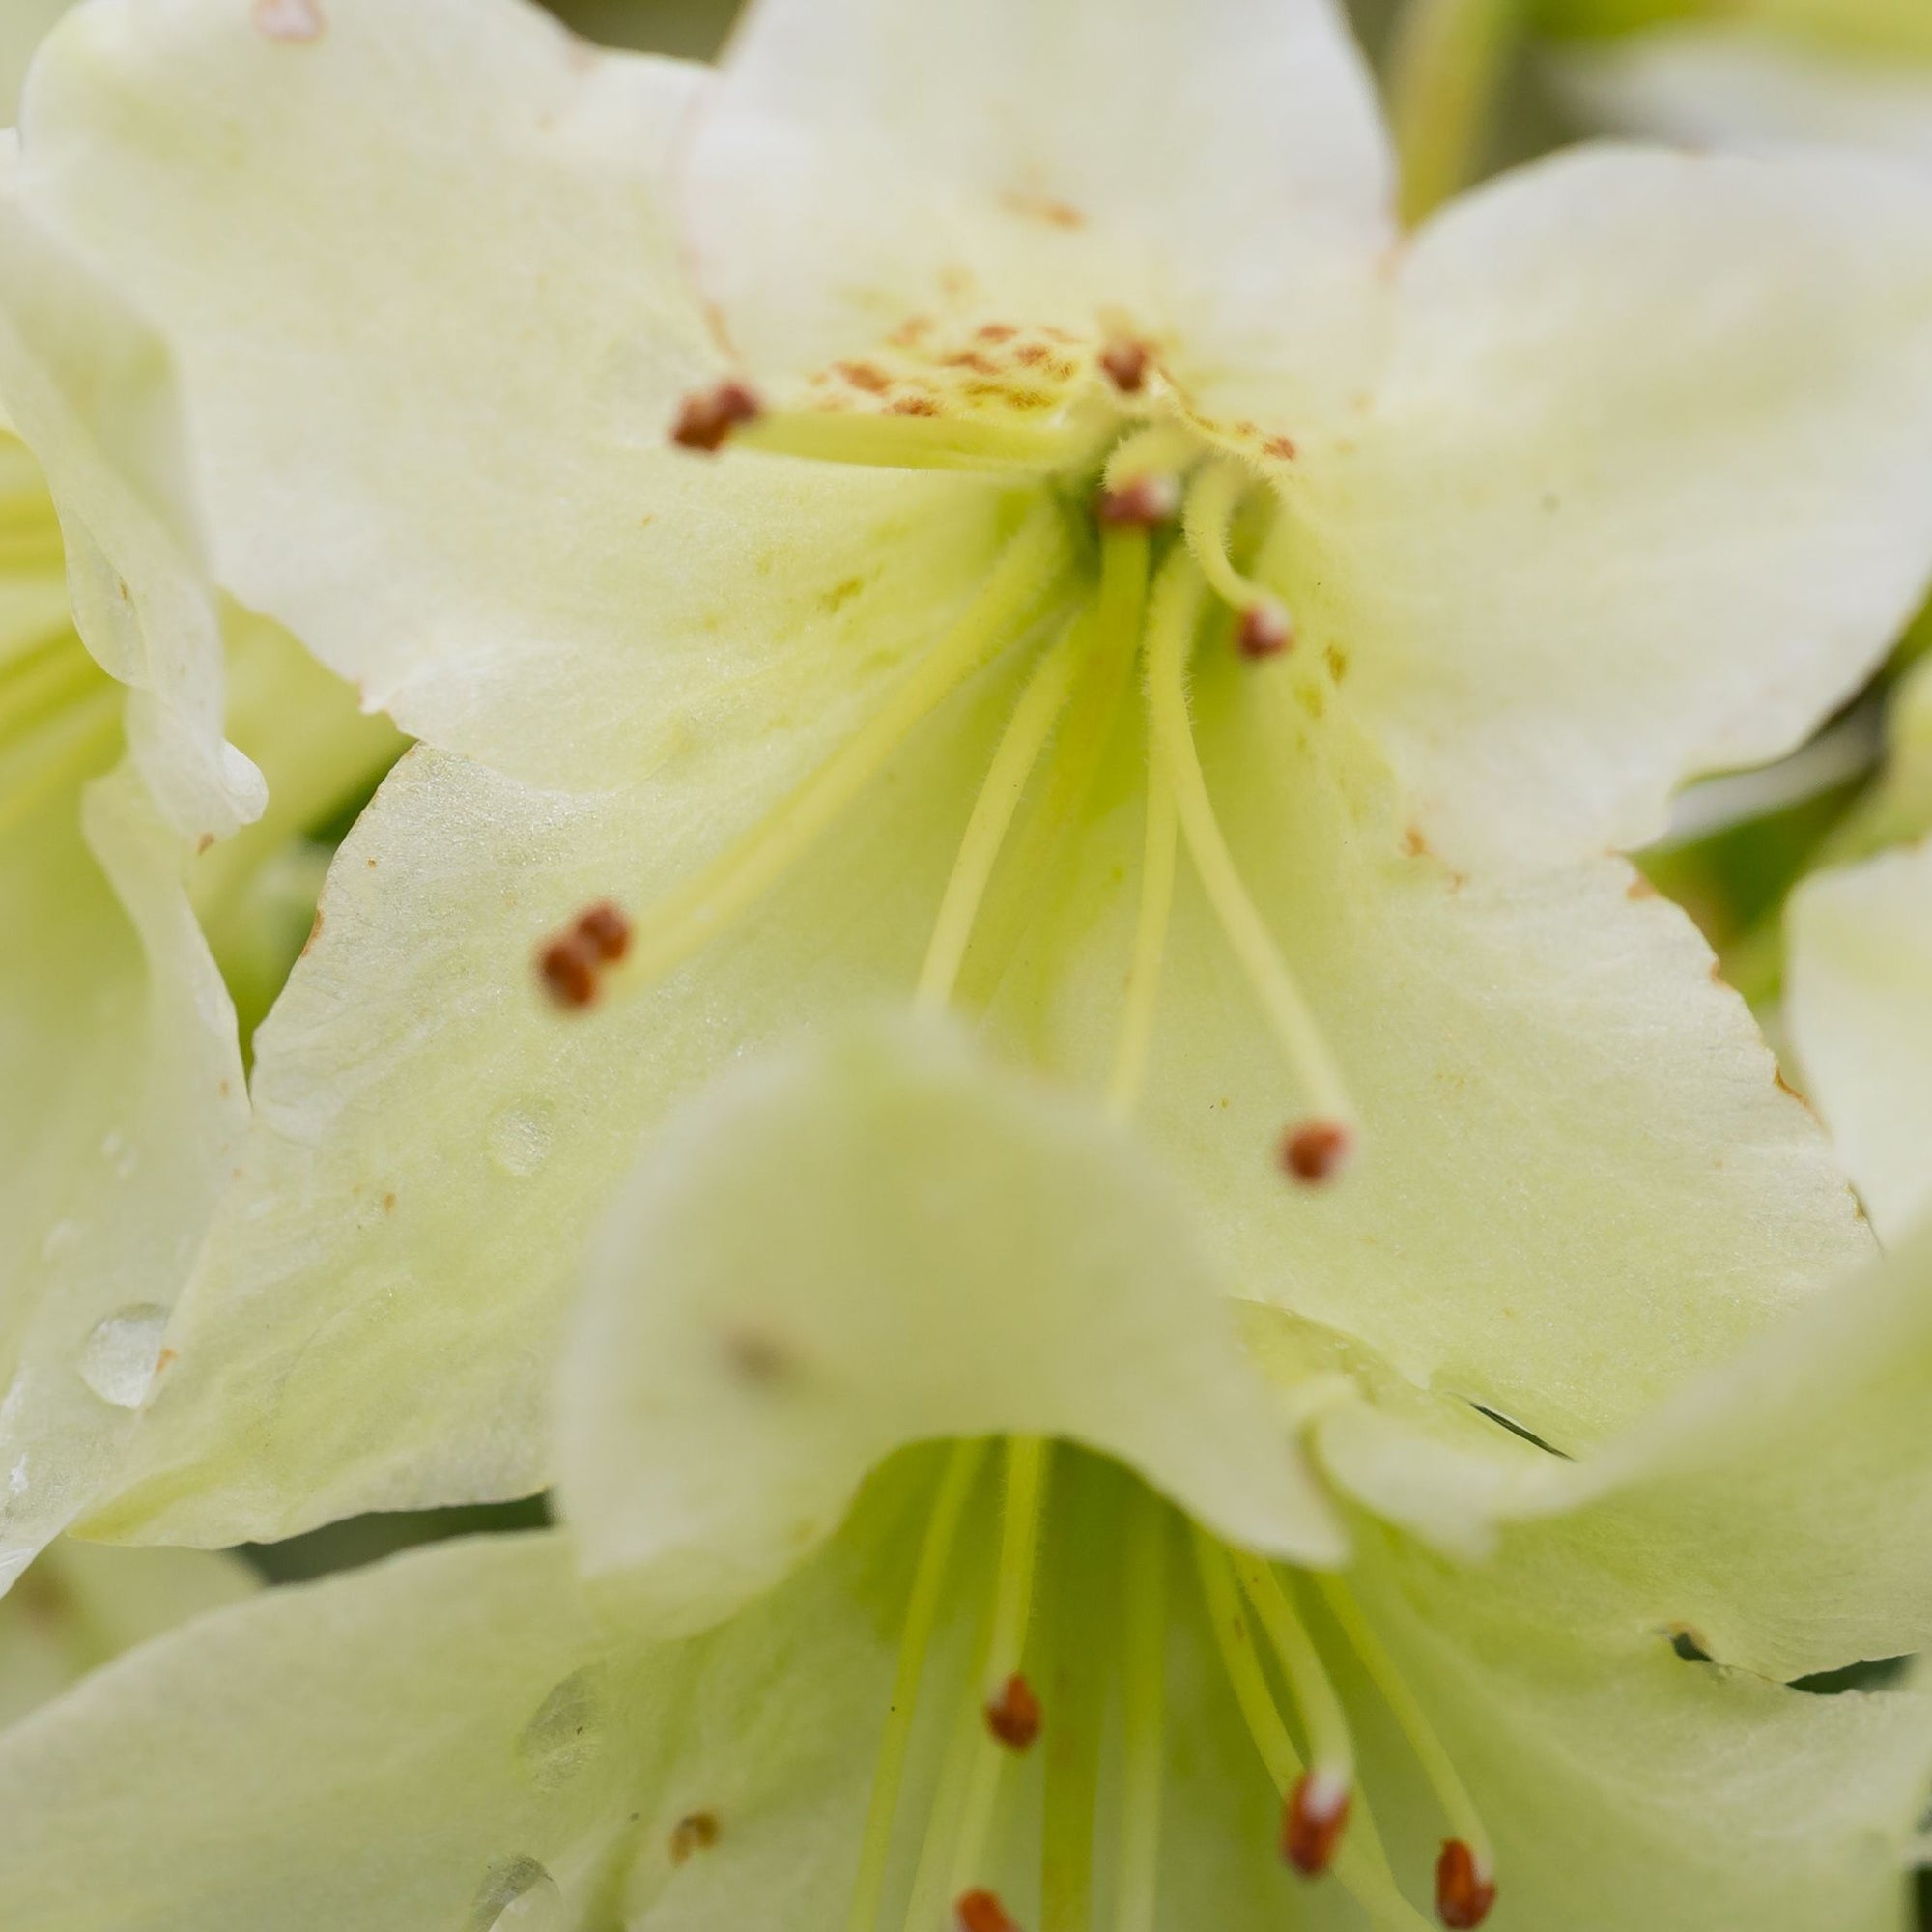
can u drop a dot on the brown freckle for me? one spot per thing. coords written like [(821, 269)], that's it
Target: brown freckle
[(1312, 700), (224, 1089), (1014, 1715), (121, 585), (1280, 447), (292, 20), (756, 1358), (1315, 1152), (166, 1356), (695, 1831), (1045, 208), (1032, 354), (996, 331), (910, 330), (841, 594), (201, 843), (1415, 844), (975, 359), (913, 406), (865, 375), (389, 1204), (1247, 431), (605, 930), (370, 863), (569, 970), (956, 280), (1337, 660)]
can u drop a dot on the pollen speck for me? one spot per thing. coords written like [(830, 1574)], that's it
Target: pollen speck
[(706, 420), (1126, 363), (980, 1911), (695, 1831), (1265, 631), (1313, 1821), (293, 20), (1013, 1716), (1316, 1150), (1464, 1890), (569, 970), (605, 930)]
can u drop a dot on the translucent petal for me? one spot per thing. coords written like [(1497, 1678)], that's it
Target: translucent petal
[(863, 163), (871, 1239), (1859, 1004), (1639, 497), (429, 313)]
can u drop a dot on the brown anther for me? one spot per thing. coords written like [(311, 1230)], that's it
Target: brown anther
[(1312, 1822), (1014, 1715), (1265, 631), (1316, 1152), (1139, 503), (695, 1831), (1126, 362), (569, 968), (980, 1911), (705, 419), (1464, 1890), (606, 929)]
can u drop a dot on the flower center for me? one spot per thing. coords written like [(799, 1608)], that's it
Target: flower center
[(1100, 1628), (1131, 553)]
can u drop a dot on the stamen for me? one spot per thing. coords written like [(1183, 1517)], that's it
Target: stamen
[(1033, 718), (980, 1911), (1317, 1151), (698, 911), (1126, 363), (1476, 1892), (922, 1606), (1156, 908), (1361, 1864), (1159, 450), (1318, 1808), (1142, 504), (1144, 1719), (1012, 1607), (606, 928), (936, 441), (1464, 1890), (1211, 501), (1012, 1714), (706, 420), (569, 970), (1177, 609)]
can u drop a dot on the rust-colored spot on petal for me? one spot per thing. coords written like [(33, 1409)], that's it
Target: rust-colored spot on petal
[(568, 967), (695, 1831), (996, 331), (1464, 1890), (1014, 1715), (1125, 364), (166, 1356), (1280, 447), (755, 1356), (1047, 208), (865, 376), (980, 1911), (1337, 660), (1316, 1152), (1415, 844), (705, 419), (913, 406), (1312, 1822), (605, 930), (292, 20)]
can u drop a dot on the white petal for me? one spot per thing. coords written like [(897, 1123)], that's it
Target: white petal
[(1644, 493), (1859, 1002)]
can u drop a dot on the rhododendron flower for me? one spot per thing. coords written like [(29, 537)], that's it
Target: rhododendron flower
[(1082, 1661), (978, 505)]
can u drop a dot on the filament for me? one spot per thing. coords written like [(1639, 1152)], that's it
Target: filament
[(1144, 1719), (942, 1529), (722, 892), (1330, 1743), (1033, 718), (1177, 609), (1212, 500), (879, 441), (1156, 909)]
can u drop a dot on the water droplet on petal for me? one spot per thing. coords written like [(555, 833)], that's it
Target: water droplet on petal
[(565, 1734), (518, 1140), (121, 1354), (518, 1895)]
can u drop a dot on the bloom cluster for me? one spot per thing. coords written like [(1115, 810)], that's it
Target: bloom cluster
[(870, 810)]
